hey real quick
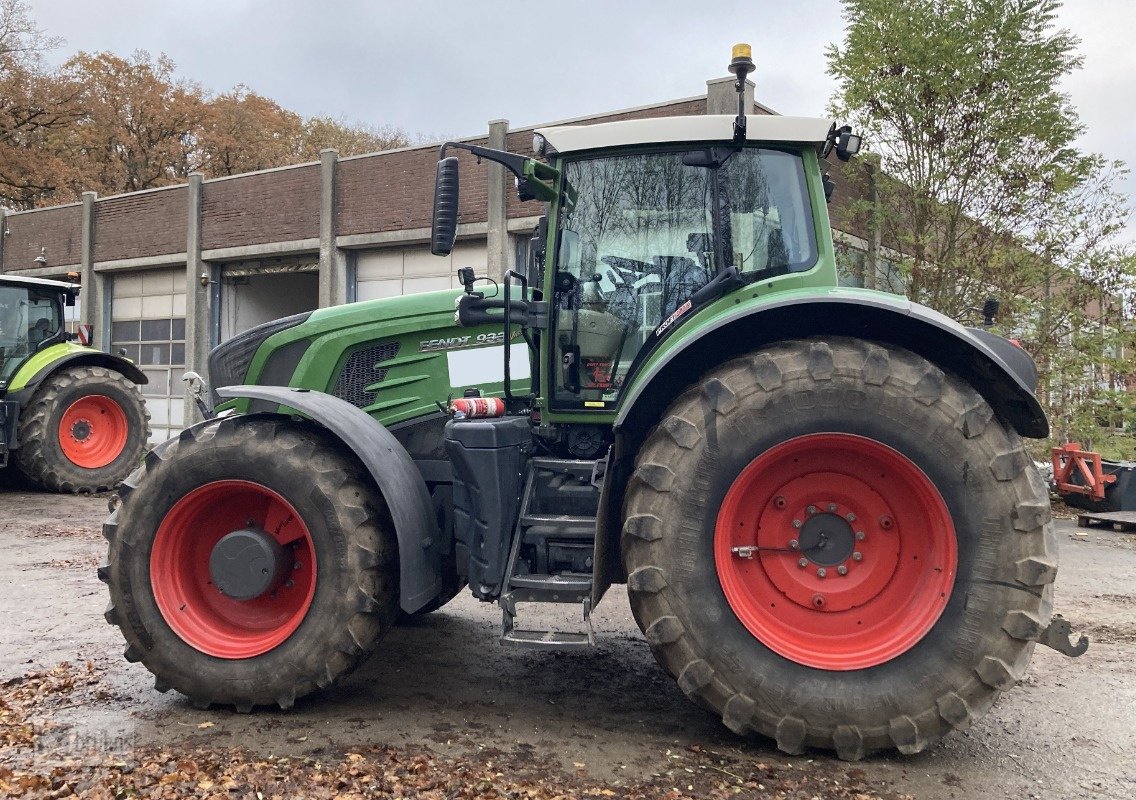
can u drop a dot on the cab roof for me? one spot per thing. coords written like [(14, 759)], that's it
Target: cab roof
[(20, 280), (702, 128)]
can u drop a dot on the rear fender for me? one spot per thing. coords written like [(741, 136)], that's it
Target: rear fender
[(67, 354), (1001, 372), (394, 472)]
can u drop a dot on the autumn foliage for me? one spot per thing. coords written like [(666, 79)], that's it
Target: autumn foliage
[(109, 124)]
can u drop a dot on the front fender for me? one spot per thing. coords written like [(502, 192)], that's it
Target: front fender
[(1002, 373), (394, 472)]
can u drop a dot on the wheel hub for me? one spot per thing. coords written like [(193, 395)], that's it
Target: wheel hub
[(81, 430), (827, 539), (248, 563)]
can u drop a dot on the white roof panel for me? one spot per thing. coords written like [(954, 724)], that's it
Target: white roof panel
[(28, 280), (703, 128)]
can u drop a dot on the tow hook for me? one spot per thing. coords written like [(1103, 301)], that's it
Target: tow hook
[(1057, 635)]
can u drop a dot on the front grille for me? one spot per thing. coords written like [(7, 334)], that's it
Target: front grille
[(361, 370)]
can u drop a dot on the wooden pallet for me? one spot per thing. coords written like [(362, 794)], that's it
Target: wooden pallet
[(1124, 521)]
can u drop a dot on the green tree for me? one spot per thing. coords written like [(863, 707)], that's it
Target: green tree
[(982, 189)]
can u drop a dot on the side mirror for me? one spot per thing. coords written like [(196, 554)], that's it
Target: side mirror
[(445, 225), (990, 310), (847, 144)]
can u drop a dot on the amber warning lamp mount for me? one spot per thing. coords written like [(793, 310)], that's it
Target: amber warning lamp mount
[(741, 64)]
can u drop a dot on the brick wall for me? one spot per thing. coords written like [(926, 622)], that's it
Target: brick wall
[(145, 224), (58, 229), (275, 206), (395, 191)]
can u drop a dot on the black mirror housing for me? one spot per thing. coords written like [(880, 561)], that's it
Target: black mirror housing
[(444, 229)]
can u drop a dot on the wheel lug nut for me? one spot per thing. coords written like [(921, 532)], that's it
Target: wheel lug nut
[(804, 562), (794, 544), (796, 523), (821, 572), (811, 509), (842, 570), (850, 517), (860, 536), (832, 506), (857, 556)]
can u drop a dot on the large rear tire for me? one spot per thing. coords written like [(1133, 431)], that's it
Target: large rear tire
[(837, 545), (84, 430), (335, 590)]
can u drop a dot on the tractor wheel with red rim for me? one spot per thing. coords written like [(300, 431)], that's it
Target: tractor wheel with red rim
[(838, 545), (251, 561), (84, 430)]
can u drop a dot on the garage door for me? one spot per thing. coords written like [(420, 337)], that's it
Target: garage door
[(148, 322), (406, 270)]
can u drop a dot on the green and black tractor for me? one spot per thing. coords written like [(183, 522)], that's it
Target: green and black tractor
[(72, 418), (817, 497)]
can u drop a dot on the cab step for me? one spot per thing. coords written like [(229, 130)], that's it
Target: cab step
[(547, 640), (552, 558)]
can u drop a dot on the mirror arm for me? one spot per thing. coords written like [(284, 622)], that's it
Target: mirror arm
[(511, 161), (538, 176)]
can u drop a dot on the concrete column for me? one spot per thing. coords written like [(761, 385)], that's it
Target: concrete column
[(722, 96), (497, 240), (92, 298), (333, 263), (198, 316), (3, 235)]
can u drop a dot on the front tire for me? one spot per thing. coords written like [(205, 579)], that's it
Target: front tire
[(336, 590), (922, 525), (84, 430)]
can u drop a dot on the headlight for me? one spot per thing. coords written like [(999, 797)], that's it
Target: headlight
[(229, 361)]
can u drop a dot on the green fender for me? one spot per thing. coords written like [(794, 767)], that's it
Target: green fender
[(66, 354), (1001, 372)]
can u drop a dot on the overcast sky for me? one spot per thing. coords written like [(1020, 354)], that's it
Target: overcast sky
[(445, 68)]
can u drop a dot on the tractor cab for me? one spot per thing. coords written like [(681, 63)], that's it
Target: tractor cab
[(31, 318), (649, 224)]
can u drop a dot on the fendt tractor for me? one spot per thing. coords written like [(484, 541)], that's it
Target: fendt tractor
[(72, 418), (817, 497)]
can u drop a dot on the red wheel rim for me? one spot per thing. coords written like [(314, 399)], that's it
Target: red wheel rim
[(875, 537), (183, 588), (93, 431)]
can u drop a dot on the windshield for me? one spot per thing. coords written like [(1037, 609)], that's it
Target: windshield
[(645, 232), (28, 317)]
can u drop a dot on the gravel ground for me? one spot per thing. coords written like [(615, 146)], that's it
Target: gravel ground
[(444, 684)]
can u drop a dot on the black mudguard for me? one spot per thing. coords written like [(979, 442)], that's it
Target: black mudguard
[(394, 472)]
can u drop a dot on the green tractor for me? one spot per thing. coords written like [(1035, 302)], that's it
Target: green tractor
[(818, 497), (71, 417)]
